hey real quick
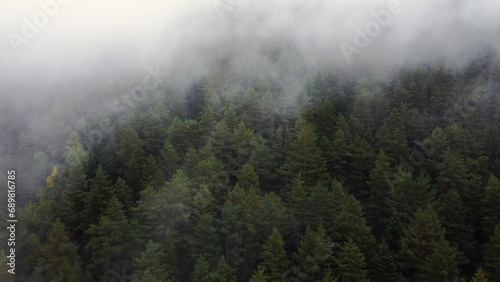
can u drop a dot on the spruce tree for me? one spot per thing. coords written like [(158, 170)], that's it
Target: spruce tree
[(275, 261), (351, 263), (425, 253), (377, 210), (491, 202), (492, 255), (305, 157), (385, 265), (201, 270), (152, 261), (479, 276), (58, 249)]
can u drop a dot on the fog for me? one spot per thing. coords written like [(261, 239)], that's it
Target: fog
[(96, 40), (57, 52)]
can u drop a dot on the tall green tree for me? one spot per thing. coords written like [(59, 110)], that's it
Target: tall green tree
[(212, 173), (492, 255), (314, 256), (385, 265), (108, 239), (153, 261), (351, 263), (205, 242), (340, 156), (58, 250), (425, 253), (275, 261), (479, 276), (201, 270), (377, 210), (491, 202), (305, 157)]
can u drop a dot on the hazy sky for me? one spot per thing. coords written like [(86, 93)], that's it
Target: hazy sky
[(93, 40)]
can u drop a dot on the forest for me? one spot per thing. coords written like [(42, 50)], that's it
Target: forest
[(363, 176)]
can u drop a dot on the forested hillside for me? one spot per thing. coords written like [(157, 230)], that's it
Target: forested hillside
[(357, 176)]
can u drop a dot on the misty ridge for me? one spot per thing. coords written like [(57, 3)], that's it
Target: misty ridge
[(204, 104), (100, 50)]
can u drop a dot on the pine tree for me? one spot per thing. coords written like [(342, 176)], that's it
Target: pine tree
[(205, 242), (58, 249), (129, 148), (231, 227), (108, 238), (314, 256), (221, 141), (305, 157), (240, 144), (212, 173), (169, 160), (100, 182), (68, 272), (452, 173), (340, 156), (207, 122), (479, 276), (151, 261), (326, 119), (491, 202), (262, 159), (223, 273), (425, 254), (230, 118), (492, 255), (386, 268), (361, 161), (130, 155), (247, 178), (376, 207), (124, 195), (201, 270), (258, 276), (454, 215), (410, 193), (154, 133), (275, 261), (351, 263), (250, 216)]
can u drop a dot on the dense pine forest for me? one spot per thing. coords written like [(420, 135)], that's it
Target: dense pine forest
[(359, 176)]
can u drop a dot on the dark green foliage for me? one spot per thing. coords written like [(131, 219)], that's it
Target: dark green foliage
[(479, 276), (351, 263), (201, 270), (459, 231), (314, 256), (305, 157), (58, 254), (107, 245), (267, 172), (425, 253), (376, 208), (491, 202), (274, 258), (204, 242), (211, 172), (409, 192), (385, 267), (492, 255), (152, 263)]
